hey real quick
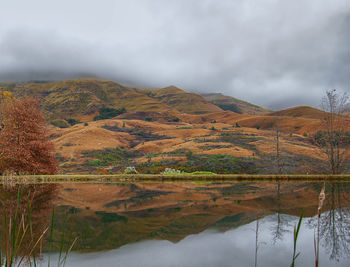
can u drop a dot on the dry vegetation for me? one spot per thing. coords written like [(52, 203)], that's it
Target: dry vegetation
[(153, 146), (152, 129)]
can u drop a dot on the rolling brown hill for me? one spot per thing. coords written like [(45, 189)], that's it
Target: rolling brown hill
[(301, 112), (108, 146), (169, 127), (183, 101)]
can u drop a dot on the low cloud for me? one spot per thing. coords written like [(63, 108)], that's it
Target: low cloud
[(273, 53)]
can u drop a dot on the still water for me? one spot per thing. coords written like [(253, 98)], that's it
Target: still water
[(186, 224)]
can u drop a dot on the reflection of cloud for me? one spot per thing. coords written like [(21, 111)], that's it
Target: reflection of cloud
[(275, 53), (211, 248)]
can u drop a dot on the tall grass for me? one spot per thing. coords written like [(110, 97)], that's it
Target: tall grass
[(296, 234), (20, 244)]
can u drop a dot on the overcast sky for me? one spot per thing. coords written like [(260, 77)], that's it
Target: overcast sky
[(270, 52)]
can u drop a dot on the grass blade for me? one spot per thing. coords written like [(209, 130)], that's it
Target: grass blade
[(296, 234)]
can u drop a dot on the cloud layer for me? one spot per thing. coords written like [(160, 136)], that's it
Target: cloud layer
[(273, 53)]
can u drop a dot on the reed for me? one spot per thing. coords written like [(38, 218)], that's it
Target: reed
[(296, 234), (20, 245)]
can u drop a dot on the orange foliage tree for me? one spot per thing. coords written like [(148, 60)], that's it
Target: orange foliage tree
[(24, 146)]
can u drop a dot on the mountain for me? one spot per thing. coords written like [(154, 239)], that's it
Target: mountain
[(234, 104), (82, 99)]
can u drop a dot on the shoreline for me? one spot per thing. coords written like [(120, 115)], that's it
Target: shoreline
[(169, 178)]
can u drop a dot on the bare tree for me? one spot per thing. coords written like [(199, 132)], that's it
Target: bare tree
[(333, 140), (279, 164)]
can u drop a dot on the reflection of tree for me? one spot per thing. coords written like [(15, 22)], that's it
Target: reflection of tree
[(256, 242), (281, 223), (28, 201), (335, 223)]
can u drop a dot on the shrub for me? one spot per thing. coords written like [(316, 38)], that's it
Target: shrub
[(86, 124), (108, 113), (148, 119), (170, 171), (258, 127), (130, 170), (72, 121), (189, 154), (59, 157), (305, 134), (68, 144), (237, 125), (183, 128), (95, 162), (176, 119), (60, 123)]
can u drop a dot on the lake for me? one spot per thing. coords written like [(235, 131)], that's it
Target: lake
[(181, 223)]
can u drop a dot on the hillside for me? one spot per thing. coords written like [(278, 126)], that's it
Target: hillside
[(82, 99), (301, 112), (234, 104), (109, 146), (183, 101)]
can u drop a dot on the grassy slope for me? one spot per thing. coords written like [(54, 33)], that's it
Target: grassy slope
[(183, 101), (168, 142), (234, 104), (81, 99), (301, 112)]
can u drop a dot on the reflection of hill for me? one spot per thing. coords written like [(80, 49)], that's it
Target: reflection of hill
[(109, 216)]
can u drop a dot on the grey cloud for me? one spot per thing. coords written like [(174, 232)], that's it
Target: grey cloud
[(273, 53)]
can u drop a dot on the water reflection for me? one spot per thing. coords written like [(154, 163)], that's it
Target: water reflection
[(281, 226), (250, 223), (210, 248), (335, 221)]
